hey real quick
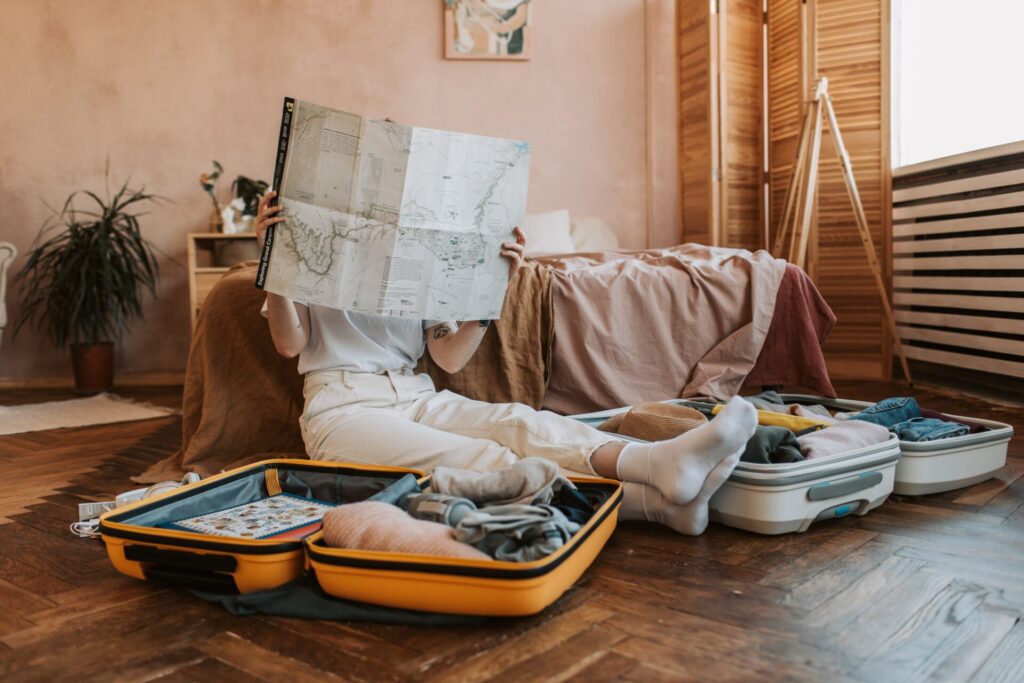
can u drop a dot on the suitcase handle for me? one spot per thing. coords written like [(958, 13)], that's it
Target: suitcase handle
[(210, 582), (180, 559), (843, 487)]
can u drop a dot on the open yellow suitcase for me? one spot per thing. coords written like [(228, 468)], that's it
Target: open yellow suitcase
[(140, 545)]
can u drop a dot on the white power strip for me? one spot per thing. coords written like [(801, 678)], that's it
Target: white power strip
[(87, 511)]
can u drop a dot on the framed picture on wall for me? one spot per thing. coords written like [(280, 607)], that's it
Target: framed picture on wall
[(487, 29)]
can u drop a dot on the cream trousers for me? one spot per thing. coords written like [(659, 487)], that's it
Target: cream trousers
[(401, 419)]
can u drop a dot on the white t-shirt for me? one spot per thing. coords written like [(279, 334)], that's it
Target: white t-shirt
[(342, 340)]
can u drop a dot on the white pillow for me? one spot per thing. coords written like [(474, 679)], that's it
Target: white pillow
[(593, 234), (548, 233)]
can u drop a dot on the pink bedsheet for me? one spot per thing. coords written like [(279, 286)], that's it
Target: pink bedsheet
[(641, 326)]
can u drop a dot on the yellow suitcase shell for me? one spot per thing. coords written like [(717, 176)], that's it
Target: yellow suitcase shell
[(214, 563), (138, 547), (458, 586)]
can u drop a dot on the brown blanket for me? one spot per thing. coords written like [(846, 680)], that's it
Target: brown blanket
[(657, 324), (241, 397), (242, 400), (513, 362)]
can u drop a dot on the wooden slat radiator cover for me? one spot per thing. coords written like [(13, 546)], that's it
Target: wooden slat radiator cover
[(958, 259)]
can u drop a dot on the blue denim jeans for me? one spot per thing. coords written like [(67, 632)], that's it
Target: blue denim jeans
[(889, 412), (927, 429)]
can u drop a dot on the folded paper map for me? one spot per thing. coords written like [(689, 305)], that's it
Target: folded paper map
[(392, 220), (276, 516)]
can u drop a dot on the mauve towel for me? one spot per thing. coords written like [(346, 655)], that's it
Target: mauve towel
[(792, 353), (644, 326)]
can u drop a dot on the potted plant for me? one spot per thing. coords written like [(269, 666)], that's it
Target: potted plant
[(83, 285)]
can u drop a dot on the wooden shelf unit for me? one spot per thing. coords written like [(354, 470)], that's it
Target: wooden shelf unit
[(202, 273)]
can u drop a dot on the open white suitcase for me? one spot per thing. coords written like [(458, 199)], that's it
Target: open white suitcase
[(788, 497), (942, 465)]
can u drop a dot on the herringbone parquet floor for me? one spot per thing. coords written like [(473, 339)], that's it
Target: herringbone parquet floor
[(920, 589)]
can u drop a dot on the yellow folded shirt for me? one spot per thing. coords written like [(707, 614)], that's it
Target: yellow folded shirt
[(769, 418)]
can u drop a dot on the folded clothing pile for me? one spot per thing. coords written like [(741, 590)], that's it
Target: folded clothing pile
[(902, 416), (518, 514), (792, 432)]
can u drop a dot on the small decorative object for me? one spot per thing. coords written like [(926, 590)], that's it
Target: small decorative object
[(240, 213), (486, 29), (83, 285), (208, 181)]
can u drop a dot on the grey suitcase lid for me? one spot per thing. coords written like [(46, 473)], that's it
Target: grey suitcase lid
[(997, 431)]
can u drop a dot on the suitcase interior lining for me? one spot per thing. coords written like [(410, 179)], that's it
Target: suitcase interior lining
[(343, 486)]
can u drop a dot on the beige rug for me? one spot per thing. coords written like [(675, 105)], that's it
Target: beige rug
[(78, 412)]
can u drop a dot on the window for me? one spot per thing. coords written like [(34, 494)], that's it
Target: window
[(957, 76)]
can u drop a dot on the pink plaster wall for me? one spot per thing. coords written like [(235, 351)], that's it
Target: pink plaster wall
[(162, 87)]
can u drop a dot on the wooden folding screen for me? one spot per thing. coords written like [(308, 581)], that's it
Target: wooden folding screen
[(721, 108), (720, 116), (849, 44)]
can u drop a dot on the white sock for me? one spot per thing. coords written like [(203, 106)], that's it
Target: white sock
[(678, 467), (641, 502)]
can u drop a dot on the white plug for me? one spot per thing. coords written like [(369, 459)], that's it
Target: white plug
[(130, 496)]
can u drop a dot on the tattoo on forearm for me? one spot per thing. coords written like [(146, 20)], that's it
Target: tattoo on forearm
[(484, 323), (440, 332)]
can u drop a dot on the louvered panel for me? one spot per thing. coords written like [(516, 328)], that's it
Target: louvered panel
[(694, 121), (996, 364), (849, 51), (964, 302), (988, 180), (785, 95), (968, 282), (720, 119), (957, 244), (784, 77), (925, 261), (960, 224), (959, 283), (980, 323), (741, 137)]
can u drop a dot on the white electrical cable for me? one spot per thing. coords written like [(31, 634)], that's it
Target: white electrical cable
[(88, 529)]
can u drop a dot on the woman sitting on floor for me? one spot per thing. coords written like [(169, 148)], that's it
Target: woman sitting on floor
[(363, 403)]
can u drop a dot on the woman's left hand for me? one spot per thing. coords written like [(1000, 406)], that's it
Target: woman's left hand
[(515, 251)]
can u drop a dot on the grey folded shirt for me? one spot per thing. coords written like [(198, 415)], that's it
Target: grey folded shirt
[(516, 533)]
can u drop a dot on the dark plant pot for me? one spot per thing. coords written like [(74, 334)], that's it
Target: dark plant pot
[(94, 367)]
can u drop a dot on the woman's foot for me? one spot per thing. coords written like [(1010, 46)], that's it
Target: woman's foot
[(640, 502), (678, 467)]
